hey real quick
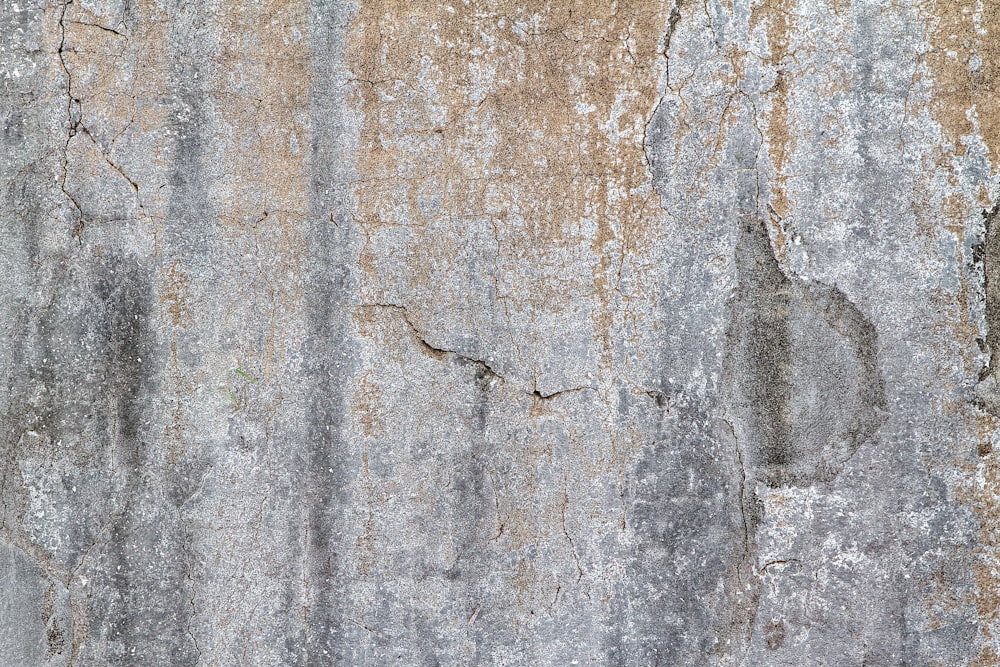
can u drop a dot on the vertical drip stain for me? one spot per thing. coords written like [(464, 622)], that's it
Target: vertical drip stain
[(326, 470), (779, 17), (765, 383)]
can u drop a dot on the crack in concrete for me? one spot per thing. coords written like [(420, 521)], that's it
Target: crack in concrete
[(441, 352), (74, 113), (987, 254), (763, 570), (72, 124), (100, 27), (744, 502), (744, 616), (111, 163), (572, 544)]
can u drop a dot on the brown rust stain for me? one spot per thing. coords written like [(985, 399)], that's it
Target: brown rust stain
[(779, 22), (262, 90), (526, 119), (264, 79), (367, 406), (988, 657), (980, 490), (370, 492), (175, 294), (965, 64)]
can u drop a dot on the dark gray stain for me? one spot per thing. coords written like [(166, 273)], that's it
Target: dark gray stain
[(55, 633), (683, 520), (761, 333), (804, 390), (328, 468), (84, 372), (477, 529), (78, 370), (802, 393), (124, 296), (774, 634), (13, 127), (147, 609), (987, 255), (326, 479), (189, 224)]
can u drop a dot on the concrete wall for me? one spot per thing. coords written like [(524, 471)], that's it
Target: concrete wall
[(499, 333)]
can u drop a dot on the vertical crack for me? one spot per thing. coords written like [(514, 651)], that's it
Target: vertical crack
[(194, 612), (745, 614), (745, 503), (743, 510), (75, 125), (569, 538), (672, 20), (72, 117)]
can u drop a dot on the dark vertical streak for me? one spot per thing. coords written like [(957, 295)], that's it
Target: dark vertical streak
[(777, 322), (477, 528), (760, 337), (843, 317), (147, 562), (124, 297), (987, 254), (189, 222), (327, 471)]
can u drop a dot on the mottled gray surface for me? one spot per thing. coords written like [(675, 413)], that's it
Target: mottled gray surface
[(543, 333)]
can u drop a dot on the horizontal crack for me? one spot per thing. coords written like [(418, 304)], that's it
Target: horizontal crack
[(773, 563), (440, 353), (436, 352), (559, 392), (99, 27)]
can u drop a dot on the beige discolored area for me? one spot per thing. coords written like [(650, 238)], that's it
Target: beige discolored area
[(964, 65), (779, 19), (964, 62), (501, 169), (263, 82)]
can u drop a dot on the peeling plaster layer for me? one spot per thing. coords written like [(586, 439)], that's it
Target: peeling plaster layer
[(497, 333)]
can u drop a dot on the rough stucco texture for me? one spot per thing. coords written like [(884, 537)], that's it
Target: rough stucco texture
[(500, 333)]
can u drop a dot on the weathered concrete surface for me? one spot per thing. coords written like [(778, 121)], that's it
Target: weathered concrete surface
[(542, 333)]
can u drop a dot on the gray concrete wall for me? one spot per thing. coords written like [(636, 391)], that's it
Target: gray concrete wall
[(498, 333)]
